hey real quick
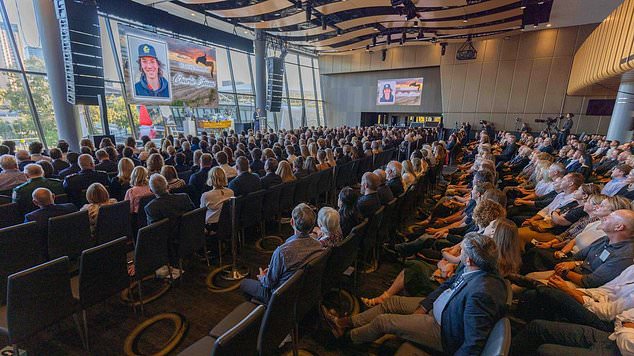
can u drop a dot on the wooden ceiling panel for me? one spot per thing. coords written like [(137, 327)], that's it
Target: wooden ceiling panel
[(465, 10), (344, 37), (294, 19), (258, 9), (301, 33), (482, 29), (350, 5), (200, 1)]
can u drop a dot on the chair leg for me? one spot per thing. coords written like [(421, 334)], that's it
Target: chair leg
[(206, 255), (219, 252), (180, 266), (85, 320), (141, 297), (82, 335), (16, 350), (295, 340), (169, 270)]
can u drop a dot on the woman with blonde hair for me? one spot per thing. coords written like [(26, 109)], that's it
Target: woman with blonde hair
[(173, 182), (408, 174), (285, 172), (330, 157), (215, 198), (323, 161), (139, 188), (196, 160), (329, 228), (121, 183), (310, 166), (417, 165), (97, 196), (509, 249), (154, 163), (313, 149)]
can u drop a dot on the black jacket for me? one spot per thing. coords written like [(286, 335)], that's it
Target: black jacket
[(107, 166), (269, 180), (385, 194), (75, 183), (471, 312), (198, 180), (245, 183), (396, 185), (368, 204), (168, 206)]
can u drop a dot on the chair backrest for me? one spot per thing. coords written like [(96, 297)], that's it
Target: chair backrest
[(341, 257), (242, 338), (271, 202), (287, 195), (142, 216), (342, 174), (361, 228), (184, 175), (325, 181), (302, 190), (251, 209), (499, 341), (113, 222), (279, 318), (186, 189), (150, 251), (509, 294), (313, 187), (310, 295), (62, 199), (191, 232), (10, 214), (370, 239), (224, 231), (5, 199), (38, 297), (20, 248), (69, 235), (387, 223), (103, 272)]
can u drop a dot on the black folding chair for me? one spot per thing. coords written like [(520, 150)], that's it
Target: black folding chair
[(69, 235), (103, 273), (21, 247), (151, 253), (10, 214), (191, 235), (113, 222), (37, 298)]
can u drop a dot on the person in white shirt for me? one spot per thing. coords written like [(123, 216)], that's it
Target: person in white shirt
[(221, 158), (214, 199), (567, 187)]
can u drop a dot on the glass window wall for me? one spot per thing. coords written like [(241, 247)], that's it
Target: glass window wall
[(235, 84)]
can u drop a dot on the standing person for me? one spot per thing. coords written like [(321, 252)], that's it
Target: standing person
[(292, 255), (565, 130)]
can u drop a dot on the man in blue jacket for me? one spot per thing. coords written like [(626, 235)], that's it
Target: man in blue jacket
[(152, 82), (455, 319)]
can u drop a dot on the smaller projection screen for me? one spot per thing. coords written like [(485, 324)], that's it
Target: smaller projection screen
[(406, 91)]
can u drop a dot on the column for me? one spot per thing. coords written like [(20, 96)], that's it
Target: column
[(66, 115), (622, 121), (260, 75)]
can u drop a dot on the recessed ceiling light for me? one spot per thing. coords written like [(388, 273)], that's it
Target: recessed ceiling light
[(261, 20), (522, 7), (193, 14), (540, 3), (548, 25)]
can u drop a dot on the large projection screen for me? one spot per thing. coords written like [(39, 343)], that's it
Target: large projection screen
[(163, 70), (407, 91)]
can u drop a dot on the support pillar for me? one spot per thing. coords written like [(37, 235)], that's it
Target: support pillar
[(66, 115), (622, 121), (260, 77)]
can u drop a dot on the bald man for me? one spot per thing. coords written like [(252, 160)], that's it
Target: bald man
[(44, 199), (75, 183), (605, 259), (35, 179), (369, 202)]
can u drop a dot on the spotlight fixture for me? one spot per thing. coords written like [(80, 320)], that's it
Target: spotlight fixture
[(298, 4), (434, 40), (323, 23), (309, 11), (540, 3), (389, 39), (536, 24), (549, 25), (523, 4), (402, 41), (338, 32), (367, 48), (443, 48), (465, 19), (383, 54), (421, 34), (374, 41)]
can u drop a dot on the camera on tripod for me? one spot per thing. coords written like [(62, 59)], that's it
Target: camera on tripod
[(548, 121)]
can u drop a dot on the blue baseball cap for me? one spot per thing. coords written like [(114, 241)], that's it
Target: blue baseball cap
[(146, 50), (387, 86)]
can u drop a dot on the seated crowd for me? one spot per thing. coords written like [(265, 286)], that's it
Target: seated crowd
[(554, 222)]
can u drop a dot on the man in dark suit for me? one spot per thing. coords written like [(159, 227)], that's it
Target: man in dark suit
[(257, 166), (75, 183), (369, 202), (270, 179), (385, 193), (509, 151), (72, 158), (44, 199), (565, 130), (394, 180), (165, 205), (105, 164), (455, 319), (245, 182), (22, 194), (198, 180), (57, 160)]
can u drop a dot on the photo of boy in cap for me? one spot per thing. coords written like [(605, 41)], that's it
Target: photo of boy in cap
[(151, 83)]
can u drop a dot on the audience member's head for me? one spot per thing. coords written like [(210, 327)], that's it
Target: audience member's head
[(35, 147), (328, 221), (22, 156), (270, 166), (86, 162), (158, 185), (303, 219), (369, 183), (169, 172), (33, 170), (619, 225), (206, 160), (242, 165), (393, 169), (155, 162), (504, 232), (43, 197), (55, 153), (139, 177), (216, 178), (8, 162), (47, 167), (479, 252), (97, 194)]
